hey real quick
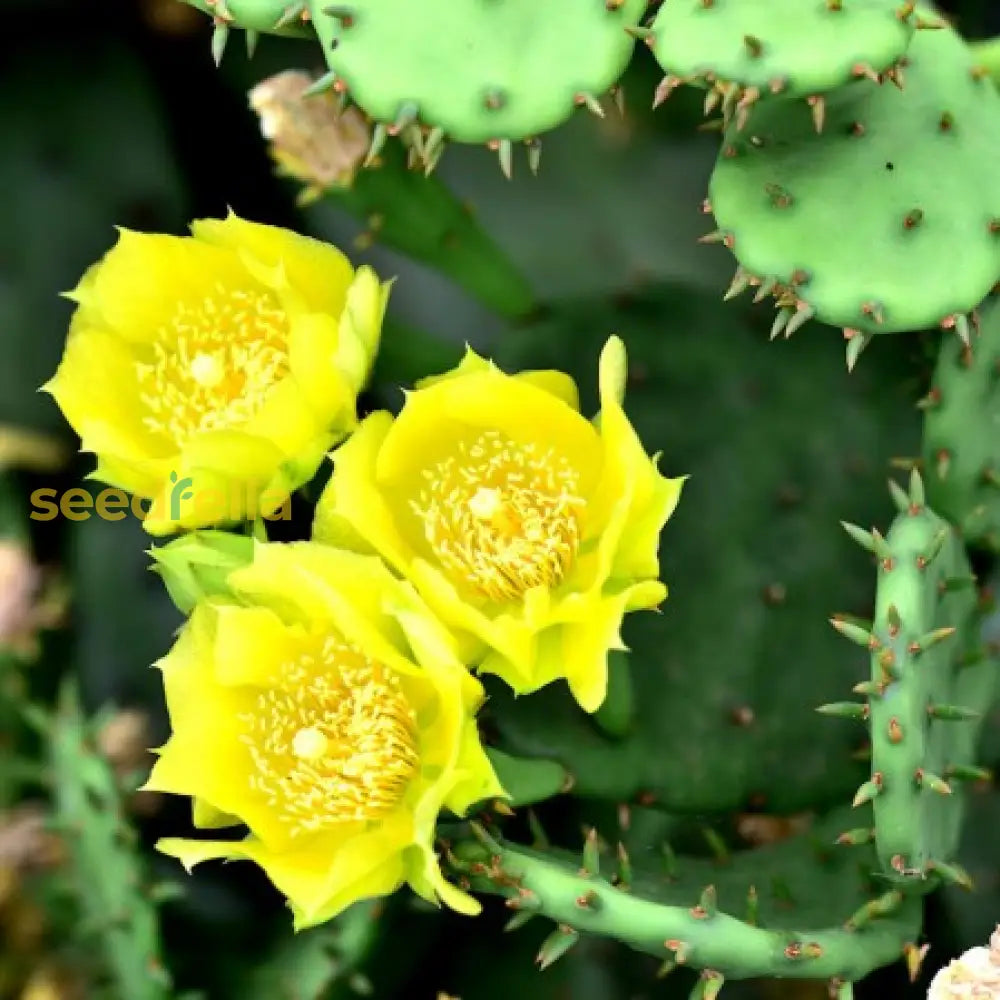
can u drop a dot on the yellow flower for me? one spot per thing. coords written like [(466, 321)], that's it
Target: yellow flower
[(530, 530), (326, 711), (211, 373)]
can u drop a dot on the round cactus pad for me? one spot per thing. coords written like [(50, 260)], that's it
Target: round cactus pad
[(481, 70), (799, 47), (888, 219)]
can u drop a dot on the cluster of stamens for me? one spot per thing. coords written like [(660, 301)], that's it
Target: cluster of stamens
[(502, 517), (212, 365), (334, 741)]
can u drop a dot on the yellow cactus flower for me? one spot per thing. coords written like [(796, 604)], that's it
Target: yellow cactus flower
[(530, 530), (325, 709), (210, 373)]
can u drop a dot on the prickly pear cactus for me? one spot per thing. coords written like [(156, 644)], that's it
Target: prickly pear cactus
[(881, 215), (932, 680), (795, 910), (961, 449), (507, 71), (743, 52)]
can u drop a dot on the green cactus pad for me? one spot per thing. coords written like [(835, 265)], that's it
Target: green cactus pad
[(798, 909), (930, 685), (962, 433), (726, 677), (887, 220), (481, 71), (780, 46)]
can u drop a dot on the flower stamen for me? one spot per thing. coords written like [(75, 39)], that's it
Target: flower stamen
[(501, 516), (213, 364), (335, 741)]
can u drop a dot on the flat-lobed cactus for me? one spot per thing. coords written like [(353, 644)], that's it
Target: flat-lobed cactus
[(797, 909), (747, 51), (931, 683), (886, 220), (504, 71), (961, 450)]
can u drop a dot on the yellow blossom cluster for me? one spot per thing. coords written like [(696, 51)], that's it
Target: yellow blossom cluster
[(321, 693)]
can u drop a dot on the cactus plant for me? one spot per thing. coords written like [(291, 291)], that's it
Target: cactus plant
[(786, 199), (743, 53), (702, 815)]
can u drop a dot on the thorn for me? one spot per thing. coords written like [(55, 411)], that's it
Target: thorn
[(934, 549), (220, 36), (252, 37), (846, 710), (943, 463), (321, 85), (895, 731), (665, 88), (931, 781), (618, 96), (640, 33), (624, 869), (863, 69), (343, 14), (433, 149), (951, 873), (589, 901), (801, 317), (716, 236), (505, 153), (740, 282), (592, 104), (767, 286), (534, 155), (781, 321), (914, 957), (870, 689), (870, 541), (951, 584), (931, 401), (379, 135), (517, 921), (555, 946), (406, 115), (884, 906), (869, 790), (925, 642), (913, 218), (293, 12), (591, 854), (752, 916), (707, 906), (857, 837), (818, 105), (855, 345), (494, 100), (754, 46), (900, 497), (904, 13), (962, 329), (952, 713)]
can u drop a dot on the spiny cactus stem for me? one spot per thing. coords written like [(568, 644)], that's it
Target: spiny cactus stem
[(701, 936)]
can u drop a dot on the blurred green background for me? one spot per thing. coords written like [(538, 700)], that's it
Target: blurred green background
[(113, 113)]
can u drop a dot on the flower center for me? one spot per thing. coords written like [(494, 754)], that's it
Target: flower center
[(335, 741), (502, 517), (214, 363)]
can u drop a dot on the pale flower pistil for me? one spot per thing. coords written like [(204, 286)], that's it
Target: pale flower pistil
[(214, 364), (334, 742), (502, 517)]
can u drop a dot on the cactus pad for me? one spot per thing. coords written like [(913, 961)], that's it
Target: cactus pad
[(929, 687), (962, 433), (791, 910), (796, 49), (888, 219), (480, 70)]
